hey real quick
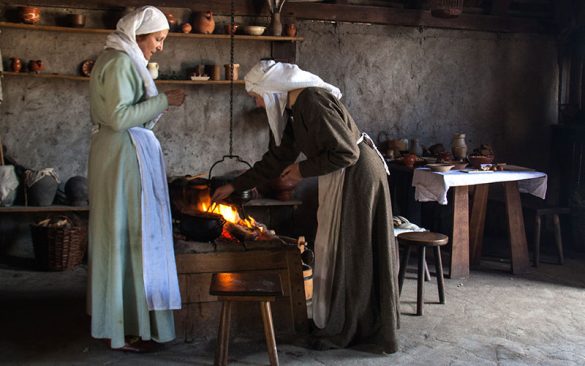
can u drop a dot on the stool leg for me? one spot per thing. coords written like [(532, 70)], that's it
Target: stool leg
[(427, 273), (269, 332), (403, 264), (223, 337), (440, 279), (536, 241), (558, 237), (421, 281)]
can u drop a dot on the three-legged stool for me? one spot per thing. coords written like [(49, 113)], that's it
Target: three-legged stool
[(422, 240), (230, 287)]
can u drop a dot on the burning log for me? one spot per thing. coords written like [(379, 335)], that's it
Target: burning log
[(241, 233)]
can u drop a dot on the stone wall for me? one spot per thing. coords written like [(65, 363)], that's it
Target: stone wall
[(411, 83)]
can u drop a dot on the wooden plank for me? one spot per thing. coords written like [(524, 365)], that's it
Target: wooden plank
[(459, 264), (477, 222), (518, 244), (35, 209), (333, 12), (238, 261)]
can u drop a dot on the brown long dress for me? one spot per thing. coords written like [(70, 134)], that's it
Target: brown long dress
[(364, 306)]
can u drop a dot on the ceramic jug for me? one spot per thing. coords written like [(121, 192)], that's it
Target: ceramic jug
[(153, 69), (15, 64), (458, 146)]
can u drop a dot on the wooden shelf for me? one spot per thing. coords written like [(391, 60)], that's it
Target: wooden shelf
[(36, 209), (53, 28), (83, 78)]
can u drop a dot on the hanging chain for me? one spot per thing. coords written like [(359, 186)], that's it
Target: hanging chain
[(232, 31)]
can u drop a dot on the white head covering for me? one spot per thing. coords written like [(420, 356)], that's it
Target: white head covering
[(144, 20), (273, 80)]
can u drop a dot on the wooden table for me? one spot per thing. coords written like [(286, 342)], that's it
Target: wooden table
[(467, 234)]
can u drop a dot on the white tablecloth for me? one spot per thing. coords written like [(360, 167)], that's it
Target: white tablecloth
[(433, 186)]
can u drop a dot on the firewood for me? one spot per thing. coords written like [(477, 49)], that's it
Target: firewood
[(239, 232)]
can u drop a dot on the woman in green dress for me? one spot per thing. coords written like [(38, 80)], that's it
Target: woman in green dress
[(133, 284), (355, 298)]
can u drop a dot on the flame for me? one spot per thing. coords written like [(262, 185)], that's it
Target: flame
[(229, 213)]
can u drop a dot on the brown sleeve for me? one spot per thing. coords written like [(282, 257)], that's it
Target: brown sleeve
[(336, 134), (273, 162)]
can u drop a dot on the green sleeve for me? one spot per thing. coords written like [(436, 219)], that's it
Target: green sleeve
[(120, 82), (325, 118), (273, 162)]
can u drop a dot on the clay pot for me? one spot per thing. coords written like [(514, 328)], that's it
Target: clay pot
[(30, 14), (214, 72), (458, 146), (186, 28), (282, 190), (228, 74), (409, 160), (35, 66), (203, 22), (15, 64), (291, 30), (172, 21), (76, 191), (42, 192), (231, 28), (76, 20), (86, 67)]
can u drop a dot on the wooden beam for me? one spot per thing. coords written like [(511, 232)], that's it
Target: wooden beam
[(329, 12)]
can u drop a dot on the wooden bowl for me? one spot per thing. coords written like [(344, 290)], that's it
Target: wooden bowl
[(457, 165), (440, 167), (476, 160)]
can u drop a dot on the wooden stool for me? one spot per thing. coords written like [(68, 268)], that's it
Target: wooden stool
[(422, 240), (555, 212), (230, 287)]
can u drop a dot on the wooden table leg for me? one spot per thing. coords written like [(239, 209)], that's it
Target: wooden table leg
[(477, 222), (459, 263), (518, 244), (223, 336)]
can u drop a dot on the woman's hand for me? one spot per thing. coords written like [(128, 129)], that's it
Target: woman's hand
[(176, 97), (222, 192), (292, 173)]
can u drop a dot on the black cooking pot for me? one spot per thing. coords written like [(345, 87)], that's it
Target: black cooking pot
[(201, 226)]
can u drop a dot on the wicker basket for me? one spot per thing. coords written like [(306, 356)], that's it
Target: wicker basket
[(59, 248)]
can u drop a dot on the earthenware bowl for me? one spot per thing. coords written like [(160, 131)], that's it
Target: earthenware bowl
[(440, 167), (254, 30)]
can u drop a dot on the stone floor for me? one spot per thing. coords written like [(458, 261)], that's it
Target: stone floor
[(490, 318)]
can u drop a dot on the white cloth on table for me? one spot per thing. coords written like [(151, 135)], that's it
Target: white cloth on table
[(433, 186)]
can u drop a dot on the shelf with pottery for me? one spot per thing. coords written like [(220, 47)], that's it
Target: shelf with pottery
[(84, 78), (172, 34)]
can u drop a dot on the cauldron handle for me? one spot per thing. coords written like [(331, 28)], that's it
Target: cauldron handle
[(237, 157)]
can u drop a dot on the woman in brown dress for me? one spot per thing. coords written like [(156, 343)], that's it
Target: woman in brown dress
[(355, 279)]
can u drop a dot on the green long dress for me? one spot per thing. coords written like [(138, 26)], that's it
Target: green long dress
[(116, 287), (364, 307)]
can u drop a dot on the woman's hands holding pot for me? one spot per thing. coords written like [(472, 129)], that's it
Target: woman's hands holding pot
[(291, 173), (176, 97), (222, 192)]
